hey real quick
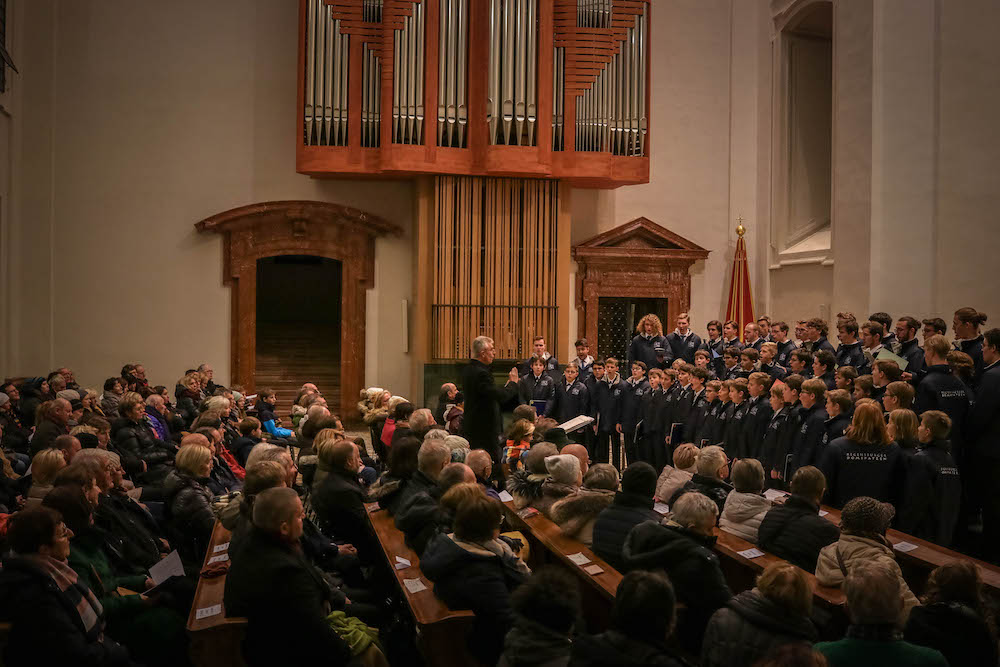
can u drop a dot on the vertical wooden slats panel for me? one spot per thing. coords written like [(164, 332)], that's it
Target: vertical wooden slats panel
[(495, 254)]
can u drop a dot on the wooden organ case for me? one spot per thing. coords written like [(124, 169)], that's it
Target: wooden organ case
[(515, 88)]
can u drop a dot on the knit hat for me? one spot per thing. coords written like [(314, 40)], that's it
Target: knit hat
[(69, 394), (866, 516), (639, 479), (88, 440), (4, 399), (237, 396), (564, 468)]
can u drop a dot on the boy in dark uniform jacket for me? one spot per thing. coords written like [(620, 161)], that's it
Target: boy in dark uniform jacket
[(884, 371), (715, 346), (725, 413), (838, 410), (703, 359), (631, 409), (683, 342), (823, 368), (909, 347), (584, 362), (748, 362), (850, 352), (800, 364), (549, 361), (570, 398), (779, 336), (940, 390), (818, 329), (758, 413), (706, 431), (671, 396), (793, 386), (606, 406), (888, 337), (933, 489), (731, 364), (768, 351), (777, 439), (733, 439), (685, 397), (699, 405), (536, 385), (806, 449), (652, 409)]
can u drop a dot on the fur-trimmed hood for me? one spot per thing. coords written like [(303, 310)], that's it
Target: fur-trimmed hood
[(525, 487), (553, 492), (577, 512), (372, 416)]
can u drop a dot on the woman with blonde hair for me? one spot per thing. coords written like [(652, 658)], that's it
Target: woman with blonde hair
[(518, 442), (189, 398), (44, 468), (674, 477), (757, 621), (649, 346), (865, 462), (190, 519), (91, 404), (902, 429)]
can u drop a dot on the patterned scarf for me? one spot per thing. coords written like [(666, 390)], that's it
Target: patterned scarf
[(76, 592)]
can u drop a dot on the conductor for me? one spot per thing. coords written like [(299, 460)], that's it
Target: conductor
[(482, 425)]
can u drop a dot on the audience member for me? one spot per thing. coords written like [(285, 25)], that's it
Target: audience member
[(44, 468), (631, 506), (525, 486), (756, 622), (546, 607), (794, 530), (746, 506), (482, 467), (709, 480), (388, 489), (564, 479), (576, 513), (189, 503), (672, 478), (339, 500)]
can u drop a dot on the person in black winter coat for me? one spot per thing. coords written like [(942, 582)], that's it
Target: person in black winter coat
[(633, 390), (864, 462), (473, 569), (251, 435), (777, 439), (641, 622), (570, 399), (631, 506), (850, 351), (190, 519), (53, 623), (757, 621), (683, 342), (712, 469), (758, 414), (284, 599), (954, 618), (536, 385), (794, 530), (605, 407), (649, 333), (807, 448), (339, 500), (838, 410), (546, 608), (933, 489), (426, 514), (983, 454), (482, 425), (940, 390), (682, 548)]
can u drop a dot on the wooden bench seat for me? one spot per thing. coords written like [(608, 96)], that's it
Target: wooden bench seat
[(216, 641), (440, 629)]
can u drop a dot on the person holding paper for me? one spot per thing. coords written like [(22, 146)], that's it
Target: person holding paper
[(570, 399)]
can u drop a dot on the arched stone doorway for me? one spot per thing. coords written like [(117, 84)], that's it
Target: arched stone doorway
[(320, 229)]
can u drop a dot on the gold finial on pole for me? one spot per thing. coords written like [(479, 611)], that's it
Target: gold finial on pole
[(740, 229)]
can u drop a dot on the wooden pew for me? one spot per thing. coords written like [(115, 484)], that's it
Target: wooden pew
[(216, 641), (440, 630)]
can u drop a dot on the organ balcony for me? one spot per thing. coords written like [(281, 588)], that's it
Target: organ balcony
[(517, 88)]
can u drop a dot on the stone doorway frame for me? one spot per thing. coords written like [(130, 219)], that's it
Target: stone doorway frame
[(321, 229)]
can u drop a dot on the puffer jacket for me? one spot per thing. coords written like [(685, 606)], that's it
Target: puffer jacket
[(613, 525), (525, 487), (714, 488), (187, 406), (138, 439), (576, 513), (796, 532), (615, 649), (693, 568), (743, 513), (670, 480), (190, 520), (854, 549), (109, 404), (958, 631), (748, 628)]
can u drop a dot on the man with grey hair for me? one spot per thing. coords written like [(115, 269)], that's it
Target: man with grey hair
[(421, 421), (482, 424), (482, 467), (278, 592), (421, 517), (432, 457), (683, 549)]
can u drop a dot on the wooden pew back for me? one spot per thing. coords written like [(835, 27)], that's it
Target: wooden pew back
[(216, 640)]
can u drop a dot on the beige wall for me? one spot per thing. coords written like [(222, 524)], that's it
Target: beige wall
[(154, 116)]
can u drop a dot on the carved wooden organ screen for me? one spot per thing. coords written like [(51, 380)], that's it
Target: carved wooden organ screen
[(531, 88), (493, 264)]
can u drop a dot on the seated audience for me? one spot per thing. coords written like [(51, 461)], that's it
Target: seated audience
[(133, 435), (757, 621), (864, 462), (251, 435), (710, 478), (546, 607), (189, 503), (266, 403), (482, 467), (875, 605), (576, 513), (933, 490), (44, 599), (794, 530), (432, 457), (682, 547), (422, 516), (51, 421), (672, 478), (473, 569), (153, 632), (518, 443), (631, 506), (642, 621), (863, 523), (526, 485), (339, 500), (746, 506), (387, 491), (284, 599), (954, 617)]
